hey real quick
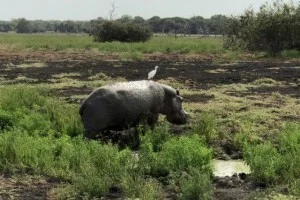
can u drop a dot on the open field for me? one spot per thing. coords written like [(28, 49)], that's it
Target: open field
[(239, 110), (165, 44)]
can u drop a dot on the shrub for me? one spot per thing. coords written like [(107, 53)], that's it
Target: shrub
[(276, 162), (206, 127), (196, 186), (5, 119), (157, 137), (109, 31), (179, 154), (34, 110), (274, 28), (264, 161)]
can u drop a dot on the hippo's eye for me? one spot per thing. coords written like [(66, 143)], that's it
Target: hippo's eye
[(180, 99)]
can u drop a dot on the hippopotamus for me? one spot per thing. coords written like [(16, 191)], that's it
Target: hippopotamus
[(123, 105)]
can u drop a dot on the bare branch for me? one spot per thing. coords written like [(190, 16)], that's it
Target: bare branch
[(112, 11)]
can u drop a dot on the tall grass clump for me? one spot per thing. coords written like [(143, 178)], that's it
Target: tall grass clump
[(206, 127), (179, 154), (32, 109), (196, 186), (175, 157), (278, 161)]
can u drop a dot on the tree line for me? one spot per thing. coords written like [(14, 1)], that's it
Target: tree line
[(173, 25)]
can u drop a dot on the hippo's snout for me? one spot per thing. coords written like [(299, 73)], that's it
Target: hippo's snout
[(187, 116)]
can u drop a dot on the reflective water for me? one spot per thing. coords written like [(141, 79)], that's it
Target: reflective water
[(229, 167)]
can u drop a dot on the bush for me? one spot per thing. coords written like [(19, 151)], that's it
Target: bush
[(276, 162), (34, 111), (109, 31), (264, 161), (179, 154), (274, 28), (206, 127), (196, 186)]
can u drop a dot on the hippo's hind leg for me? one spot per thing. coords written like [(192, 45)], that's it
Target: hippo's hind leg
[(152, 120)]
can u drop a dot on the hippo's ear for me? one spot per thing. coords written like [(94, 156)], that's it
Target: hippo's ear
[(177, 92), (169, 90)]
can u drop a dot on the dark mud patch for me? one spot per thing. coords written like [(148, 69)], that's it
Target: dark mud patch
[(203, 98), (195, 71), (32, 189), (291, 118), (70, 91), (292, 91), (236, 187), (265, 105)]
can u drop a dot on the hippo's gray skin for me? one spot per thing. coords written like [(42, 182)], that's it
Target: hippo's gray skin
[(123, 105)]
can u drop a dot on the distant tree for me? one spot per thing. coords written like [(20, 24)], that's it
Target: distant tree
[(168, 25), (156, 24), (273, 28), (5, 26), (138, 20), (125, 19), (196, 25), (218, 24), (66, 27), (38, 26), (96, 25), (23, 26)]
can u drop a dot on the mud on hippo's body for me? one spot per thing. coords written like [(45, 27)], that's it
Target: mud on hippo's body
[(125, 104)]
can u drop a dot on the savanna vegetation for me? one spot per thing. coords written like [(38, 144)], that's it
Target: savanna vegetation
[(240, 110), (42, 135)]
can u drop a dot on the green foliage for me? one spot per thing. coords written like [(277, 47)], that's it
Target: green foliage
[(179, 154), (109, 31), (32, 110), (276, 162), (274, 28), (5, 119), (206, 127), (23, 26), (264, 161), (196, 186), (41, 135), (157, 137), (138, 187), (133, 50)]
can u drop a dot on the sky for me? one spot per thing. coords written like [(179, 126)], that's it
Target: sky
[(92, 9)]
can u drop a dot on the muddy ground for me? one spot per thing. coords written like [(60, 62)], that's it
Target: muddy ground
[(194, 72)]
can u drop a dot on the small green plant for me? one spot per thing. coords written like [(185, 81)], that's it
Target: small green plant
[(276, 162), (206, 127), (196, 186), (264, 161), (157, 137), (178, 154)]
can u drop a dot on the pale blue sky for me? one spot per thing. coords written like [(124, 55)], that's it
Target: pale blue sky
[(91, 9)]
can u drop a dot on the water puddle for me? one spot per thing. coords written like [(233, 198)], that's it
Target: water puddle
[(224, 168)]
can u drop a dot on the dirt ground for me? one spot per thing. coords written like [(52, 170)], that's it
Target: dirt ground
[(194, 71)]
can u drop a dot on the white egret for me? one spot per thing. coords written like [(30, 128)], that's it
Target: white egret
[(152, 73)]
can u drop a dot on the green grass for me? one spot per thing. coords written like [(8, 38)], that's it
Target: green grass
[(277, 161), (41, 135), (162, 44)]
